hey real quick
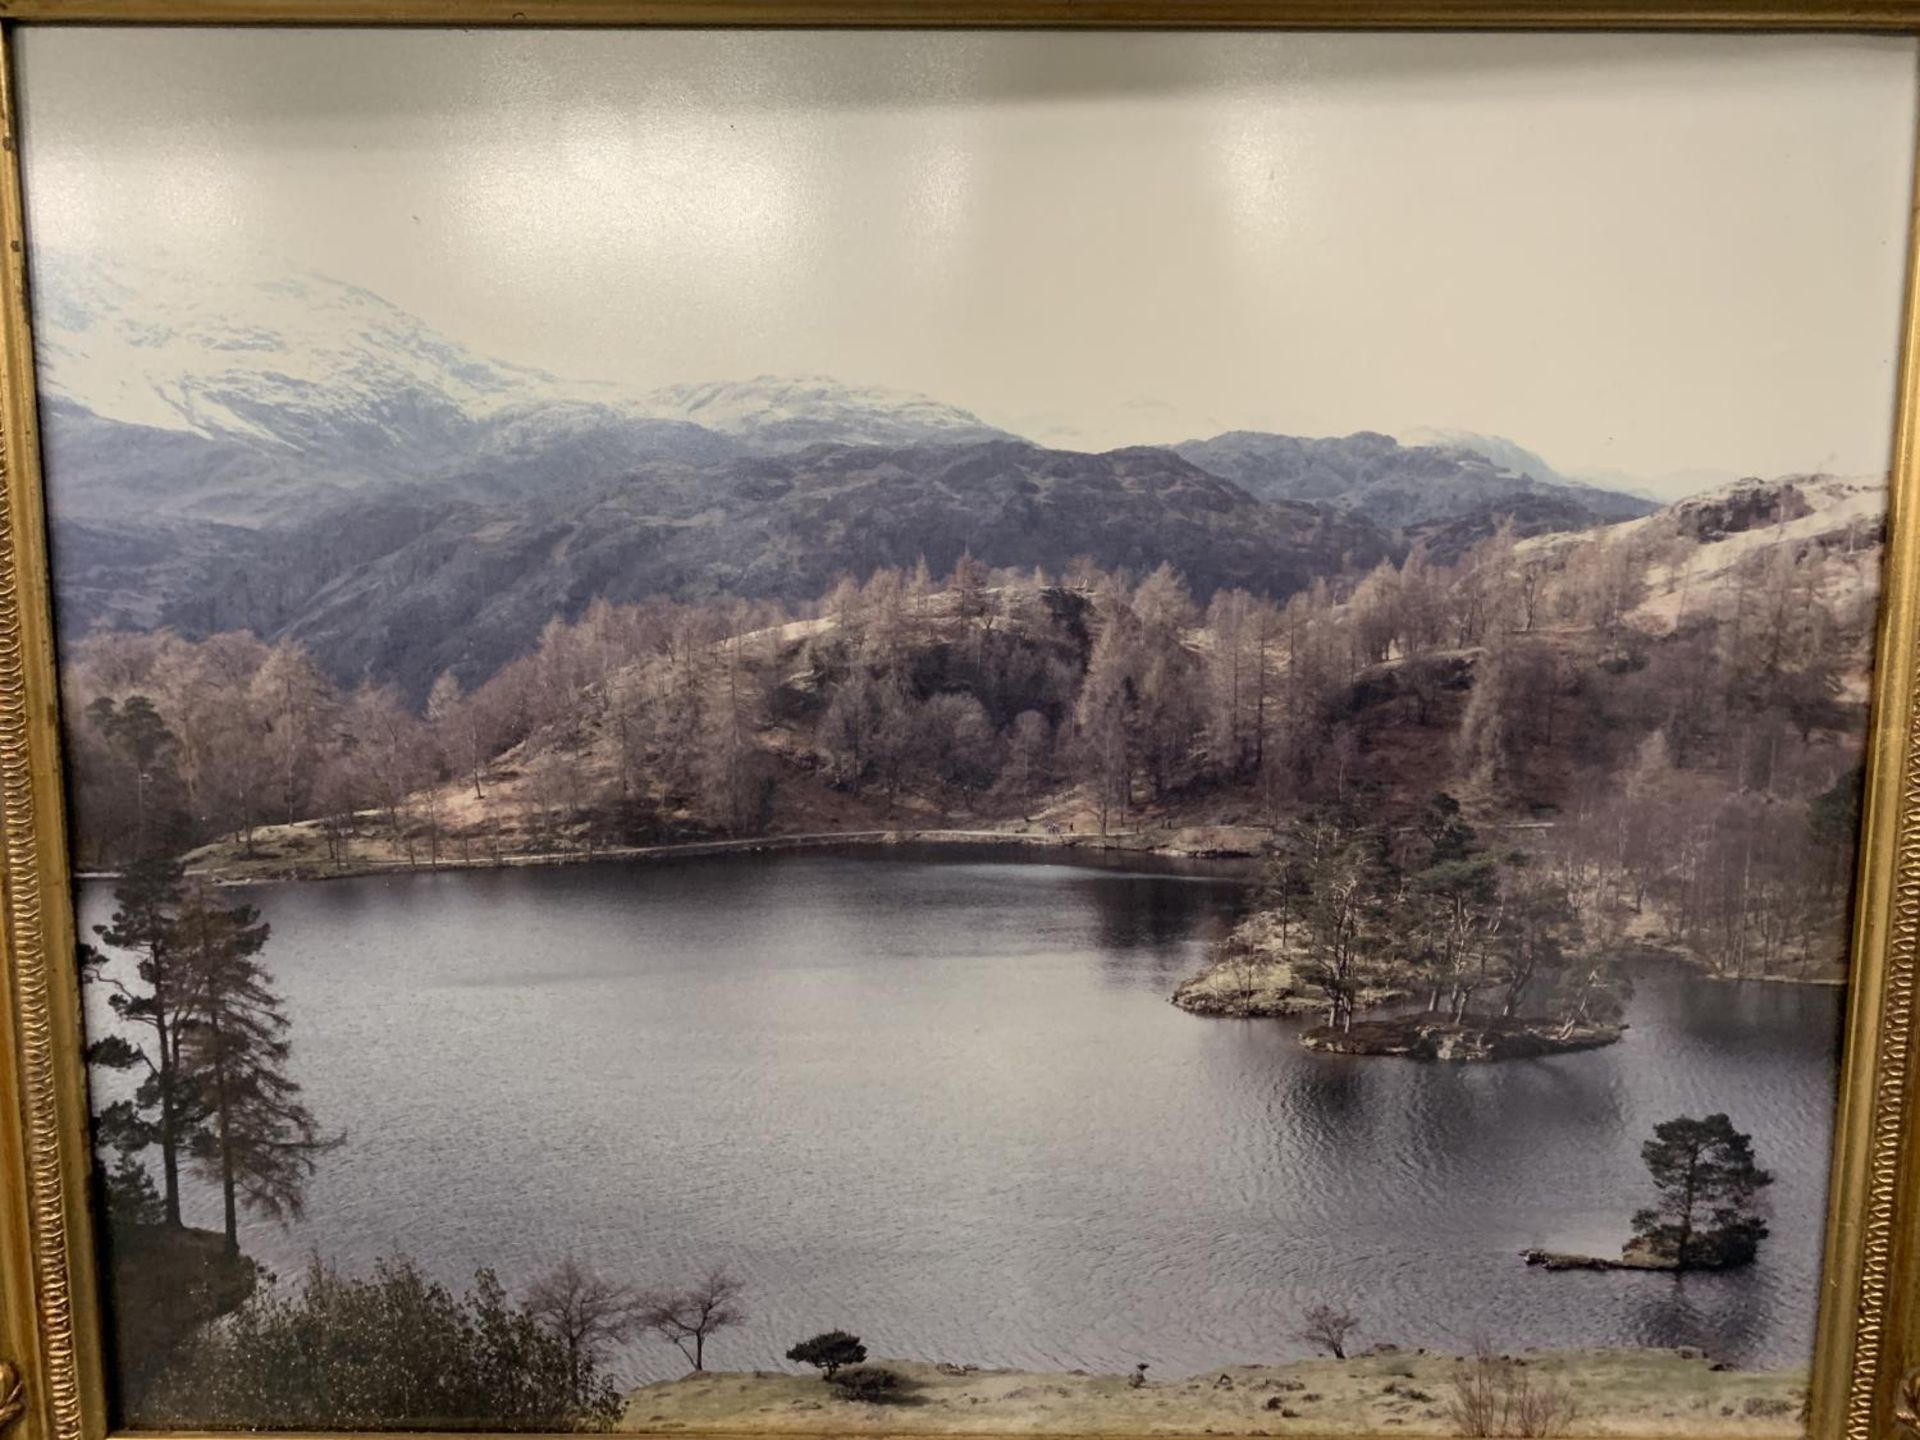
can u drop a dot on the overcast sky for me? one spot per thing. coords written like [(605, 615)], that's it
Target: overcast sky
[(1642, 254)]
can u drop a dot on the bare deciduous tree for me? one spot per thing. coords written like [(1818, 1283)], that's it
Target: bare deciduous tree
[(586, 1311), (1493, 1395), (1328, 1328), (691, 1317)]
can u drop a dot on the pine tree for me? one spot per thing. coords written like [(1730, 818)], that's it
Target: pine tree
[(165, 1110), (829, 1351), (138, 761), (259, 1142), (1707, 1214)]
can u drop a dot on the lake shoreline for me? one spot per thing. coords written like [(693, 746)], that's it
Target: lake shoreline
[(1213, 843), (1235, 987), (1231, 845)]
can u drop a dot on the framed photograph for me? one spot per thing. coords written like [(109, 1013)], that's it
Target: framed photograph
[(800, 720)]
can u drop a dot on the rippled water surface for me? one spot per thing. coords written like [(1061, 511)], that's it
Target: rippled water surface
[(942, 1100)]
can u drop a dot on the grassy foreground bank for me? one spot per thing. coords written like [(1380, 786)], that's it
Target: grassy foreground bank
[(1616, 1393)]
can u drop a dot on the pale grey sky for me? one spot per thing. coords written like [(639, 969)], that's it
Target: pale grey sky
[(1633, 253)]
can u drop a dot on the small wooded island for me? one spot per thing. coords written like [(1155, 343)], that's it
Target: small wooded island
[(1706, 1211), (1352, 915)]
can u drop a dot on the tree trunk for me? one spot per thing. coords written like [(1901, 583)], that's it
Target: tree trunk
[(1681, 1255), (169, 1126), (229, 1200)]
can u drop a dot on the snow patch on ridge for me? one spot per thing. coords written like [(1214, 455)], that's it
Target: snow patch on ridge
[(317, 366)]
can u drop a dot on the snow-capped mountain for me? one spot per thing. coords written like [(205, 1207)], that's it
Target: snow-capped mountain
[(330, 371), (300, 362)]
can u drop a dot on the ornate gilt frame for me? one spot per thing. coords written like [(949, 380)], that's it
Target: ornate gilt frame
[(1866, 1375)]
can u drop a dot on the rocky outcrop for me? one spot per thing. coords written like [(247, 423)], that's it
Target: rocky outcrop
[(1637, 1254), (1264, 992), (1751, 504), (1253, 977), (1215, 993), (1627, 1260), (1430, 1037)]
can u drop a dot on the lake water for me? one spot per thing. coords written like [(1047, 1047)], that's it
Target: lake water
[(941, 1100)]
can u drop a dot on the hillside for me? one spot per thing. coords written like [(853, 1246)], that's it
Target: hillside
[(1401, 486), (403, 585)]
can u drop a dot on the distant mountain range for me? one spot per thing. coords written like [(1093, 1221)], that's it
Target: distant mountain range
[(1392, 484), (300, 457), (311, 368)]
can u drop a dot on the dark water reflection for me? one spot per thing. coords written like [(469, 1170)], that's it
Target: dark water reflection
[(942, 1100)]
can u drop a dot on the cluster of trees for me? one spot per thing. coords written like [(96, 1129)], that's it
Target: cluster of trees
[(1701, 766), (393, 1350), (178, 743), (1752, 879), (204, 1038), (1428, 906), (398, 1350), (175, 743), (197, 1066)]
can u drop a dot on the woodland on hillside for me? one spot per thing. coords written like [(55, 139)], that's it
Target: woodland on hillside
[(1689, 778)]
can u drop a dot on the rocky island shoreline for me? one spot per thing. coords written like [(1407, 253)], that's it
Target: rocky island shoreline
[(1474, 1038)]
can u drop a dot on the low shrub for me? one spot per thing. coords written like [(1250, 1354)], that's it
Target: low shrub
[(873, 1384)]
